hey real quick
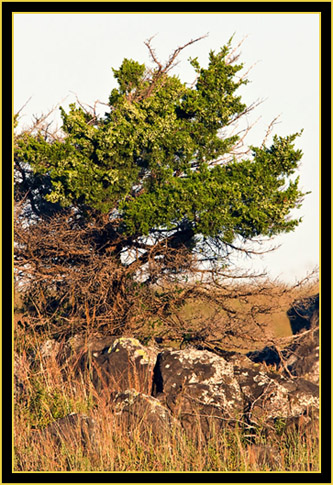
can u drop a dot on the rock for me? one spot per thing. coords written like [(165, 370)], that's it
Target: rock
[(304, 314), (198, 387), (268, 395), (49, 349), (143, 413), (268, 354), (301, 357), (126, 364), (78, 345), (201, 387), (271, 397), (72, 429), (93, 343)]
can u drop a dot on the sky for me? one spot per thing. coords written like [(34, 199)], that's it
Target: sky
[(61, 57)]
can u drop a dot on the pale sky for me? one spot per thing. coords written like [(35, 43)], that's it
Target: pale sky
[(57, 55)]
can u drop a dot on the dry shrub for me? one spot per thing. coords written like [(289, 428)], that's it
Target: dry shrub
[(76, 274), (233, 315), (68, 282)]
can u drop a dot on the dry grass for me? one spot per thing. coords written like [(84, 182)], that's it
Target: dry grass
[(116, 448)]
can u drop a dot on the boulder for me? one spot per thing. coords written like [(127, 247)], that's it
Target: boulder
[(72, 429), (94, 343), (143, 413), (301, 356), (268, 354), (78, 345), (269, 395), (198, 387), (304, 314), (125, 364)]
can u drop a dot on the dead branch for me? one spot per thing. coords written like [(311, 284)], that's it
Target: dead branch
[(269, 130), (171, 61), (235, 53), (22, 107)]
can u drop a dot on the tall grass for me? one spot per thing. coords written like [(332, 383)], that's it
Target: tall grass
[(125, 450), (51, 392)]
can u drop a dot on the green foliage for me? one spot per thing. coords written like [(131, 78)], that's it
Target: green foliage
[(45, 405), (153, 158)]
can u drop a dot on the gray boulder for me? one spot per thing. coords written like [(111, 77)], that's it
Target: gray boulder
[(74, 428), (72, 351), (275, 397), (198, 387), (125, 364), (143, 413), (270, 395)]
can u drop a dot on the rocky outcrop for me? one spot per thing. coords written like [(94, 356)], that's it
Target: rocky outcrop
[(159, 389)]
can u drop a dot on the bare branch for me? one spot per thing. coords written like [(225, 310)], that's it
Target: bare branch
[(171, 61), (270, 129), (234, 54), (152, 52), (22, 108), (174, 55)]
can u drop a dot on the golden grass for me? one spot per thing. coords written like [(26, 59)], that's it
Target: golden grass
[(125, 450)]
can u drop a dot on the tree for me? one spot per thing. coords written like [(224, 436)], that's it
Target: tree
[(154, 183)]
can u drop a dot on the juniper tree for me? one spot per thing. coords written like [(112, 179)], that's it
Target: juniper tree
[(157, 173)]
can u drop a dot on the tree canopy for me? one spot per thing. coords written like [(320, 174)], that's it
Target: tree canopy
[(152, 162)]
